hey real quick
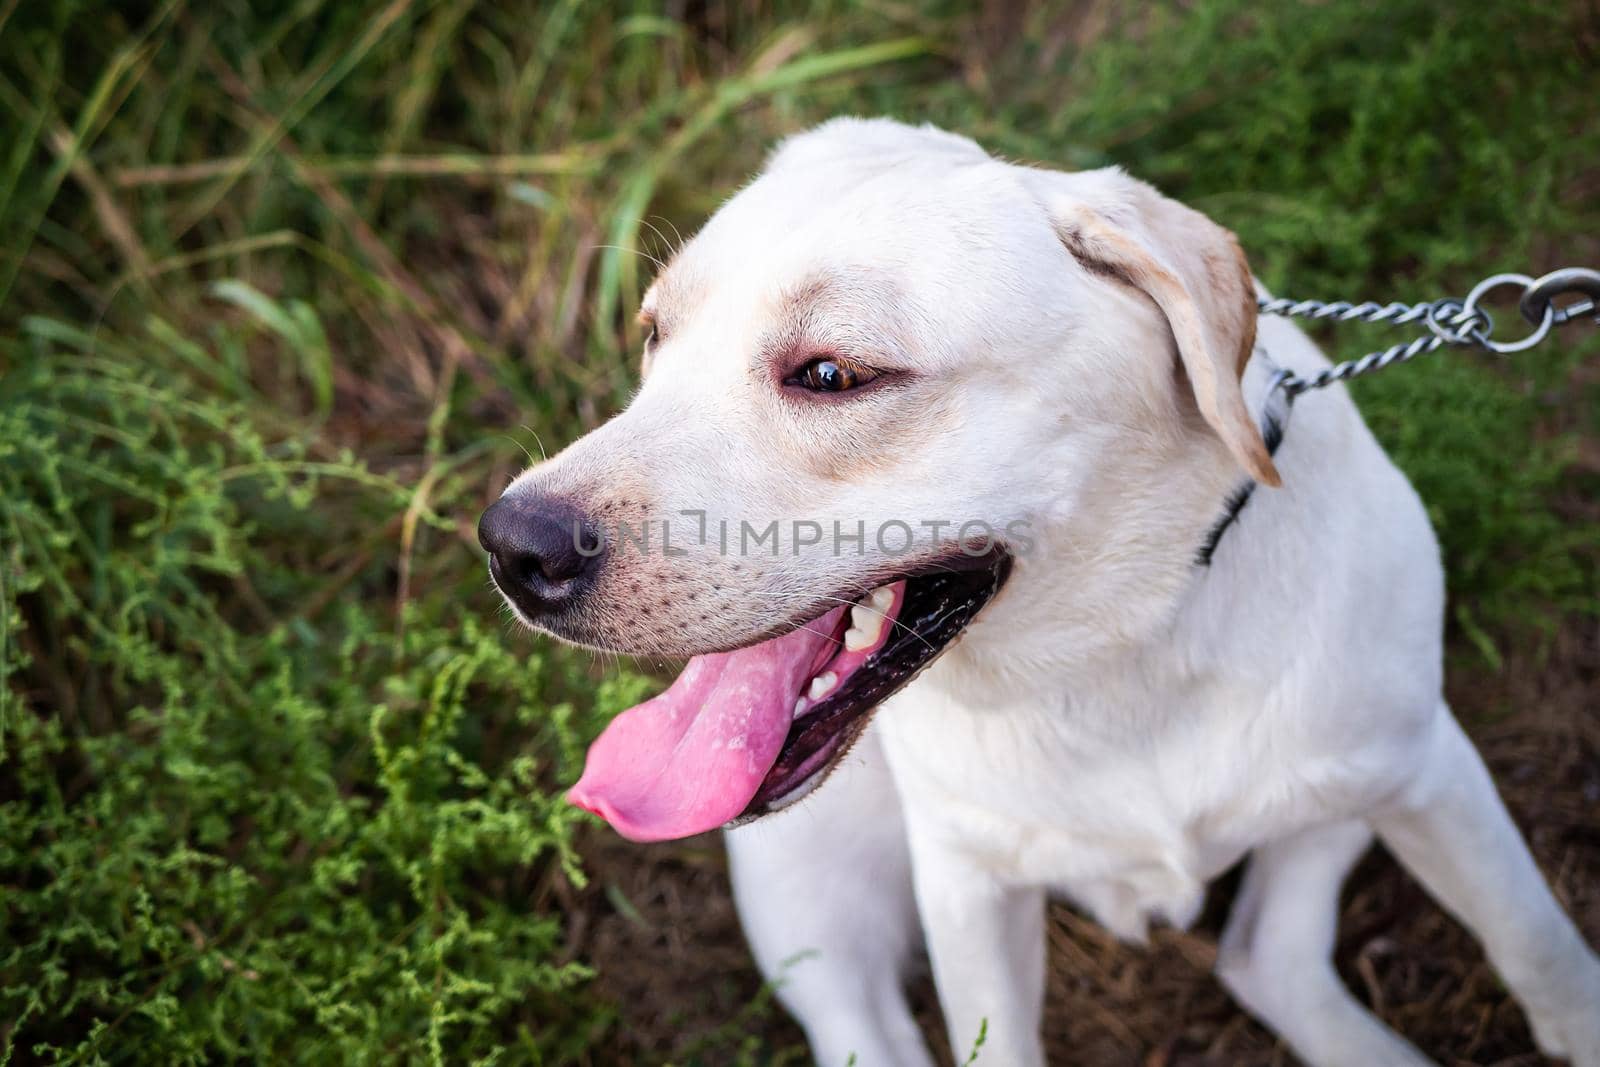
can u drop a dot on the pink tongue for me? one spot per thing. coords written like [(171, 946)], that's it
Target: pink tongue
[(692, 758)]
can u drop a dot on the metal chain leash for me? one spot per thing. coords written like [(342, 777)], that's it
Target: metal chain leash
[(1450, 322)]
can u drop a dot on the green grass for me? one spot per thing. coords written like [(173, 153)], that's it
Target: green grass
[(288, 291)]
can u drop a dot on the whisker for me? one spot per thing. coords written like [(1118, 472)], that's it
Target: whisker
[(671, 246), (641, 253), (519, 444), (538, 441), (657, 231), (675, 231)]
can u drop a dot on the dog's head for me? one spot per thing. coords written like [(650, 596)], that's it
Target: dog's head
[(880, 374)]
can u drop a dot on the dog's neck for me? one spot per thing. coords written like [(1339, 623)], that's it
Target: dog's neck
[(1109, 580), (1275, 408)]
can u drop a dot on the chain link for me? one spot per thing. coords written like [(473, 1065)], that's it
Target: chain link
[(1457, 323)]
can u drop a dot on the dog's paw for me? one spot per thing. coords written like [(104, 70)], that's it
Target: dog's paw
[(1574, 1039), (1572, 1032)]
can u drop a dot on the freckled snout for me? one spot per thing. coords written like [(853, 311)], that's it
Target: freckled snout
[(543, 552)]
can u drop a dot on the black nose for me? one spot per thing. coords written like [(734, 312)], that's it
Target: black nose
[(541, 550)]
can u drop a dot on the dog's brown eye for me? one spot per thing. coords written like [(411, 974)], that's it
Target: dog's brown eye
[(831, 376), (652, 329)]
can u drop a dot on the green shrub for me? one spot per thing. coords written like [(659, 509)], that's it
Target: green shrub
[(245, 829)]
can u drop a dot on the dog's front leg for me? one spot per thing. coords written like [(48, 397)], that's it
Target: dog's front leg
[(986, 942), (1276, 955), (824, 893)]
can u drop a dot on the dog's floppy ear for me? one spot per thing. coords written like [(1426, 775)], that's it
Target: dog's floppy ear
[(1191, 268)]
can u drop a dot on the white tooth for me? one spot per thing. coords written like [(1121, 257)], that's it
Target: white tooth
[(881, 598), (822, 683), (866, 623), (799, 707)]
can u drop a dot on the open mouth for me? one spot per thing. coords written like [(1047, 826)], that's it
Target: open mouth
[(744, 733)]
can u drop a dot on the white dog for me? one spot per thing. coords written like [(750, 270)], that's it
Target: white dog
[(906, 405)]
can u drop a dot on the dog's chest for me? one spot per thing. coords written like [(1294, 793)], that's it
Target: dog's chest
[(1130, 827)]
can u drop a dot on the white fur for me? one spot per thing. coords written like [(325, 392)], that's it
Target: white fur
[(1120, 725)]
